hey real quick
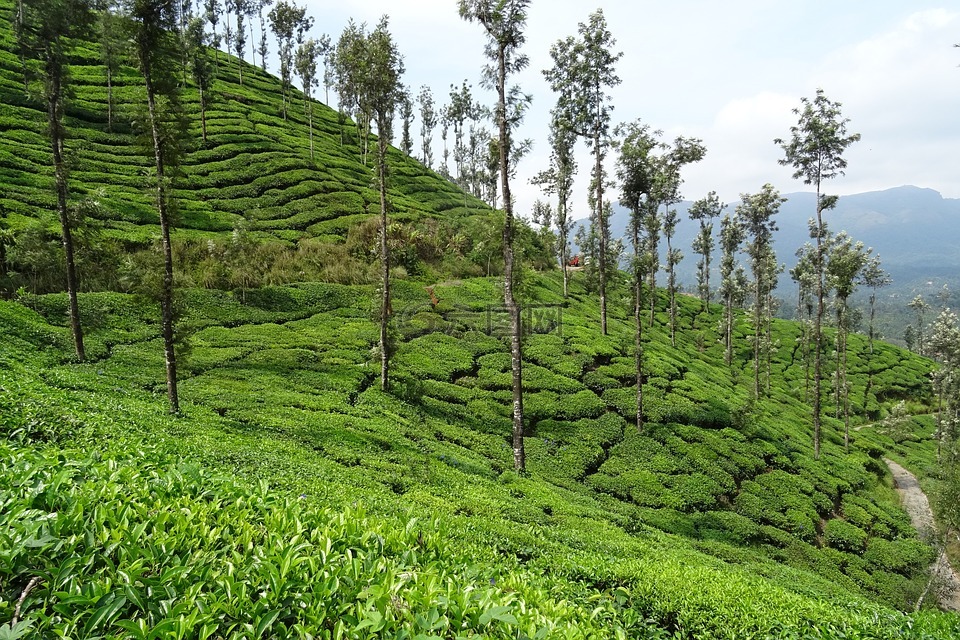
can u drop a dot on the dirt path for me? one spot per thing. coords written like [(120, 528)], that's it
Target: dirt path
[(918, 507)]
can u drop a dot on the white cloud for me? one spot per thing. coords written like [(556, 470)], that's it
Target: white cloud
[(729, 73)]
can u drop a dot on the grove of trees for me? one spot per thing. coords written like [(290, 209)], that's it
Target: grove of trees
[(170, 44)]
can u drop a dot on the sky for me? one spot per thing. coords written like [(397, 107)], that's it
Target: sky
[(728, 73)]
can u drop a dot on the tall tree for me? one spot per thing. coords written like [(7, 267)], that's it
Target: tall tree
[(228, 33), (731, 237), (683, 151), (463, 113), (674, 256), (945, 347), (19, 24), (109, 33), (557, 180), (152, 23), (704, 211), (428, 122), (305, 62), (289, 24), (369, 67), (385, 90), (212, 13), (875, 278), (200, 68), (636, 172), (406, 118), (349, 60), (756, 214), (846, 261), (815, 151), (583, 71), (6, 239), (48, 27), (263, 47), (919, 306), (325, 48), (242, 9), (504, 22), (653, 225), (804, 274)]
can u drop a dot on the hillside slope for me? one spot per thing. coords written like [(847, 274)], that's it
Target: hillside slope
[(255, 169), (715, 521), (291, 497)]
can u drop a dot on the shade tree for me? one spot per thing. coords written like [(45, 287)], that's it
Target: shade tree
[(241, 10), (757, 213), (919, 307), (731, 290), (289, 24), (406, 119), (263, 44), (875, 278), (112, 48), (48, 28), (583, 71), (815, 151), (557, 180), (200, 68), (152, 25), (306, 59), (636, 173), (704, 211), (428, 122), (504, 22), (846, 261)]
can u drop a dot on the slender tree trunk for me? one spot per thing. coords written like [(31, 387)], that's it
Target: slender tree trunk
[(839, 345), (768, 321), (706, 281), (516, 356), (203, 114), (818, 333), (566, 269), (20, 17), (310, 123), (384, 266), (166, 293), (728, 330), (757, 324), (638, 324), (843, 384), (672, 292), (253, 46), (602, 240), (109, 99), (652, 278), (216, 50), (55, 122)]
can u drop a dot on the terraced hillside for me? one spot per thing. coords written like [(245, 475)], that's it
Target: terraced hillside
[(293, 498), (714, 521), (255, 169)]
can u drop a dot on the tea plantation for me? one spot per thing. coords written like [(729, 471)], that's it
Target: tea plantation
[(291, 498)]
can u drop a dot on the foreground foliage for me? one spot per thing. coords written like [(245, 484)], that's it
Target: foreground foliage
[(398, 514)]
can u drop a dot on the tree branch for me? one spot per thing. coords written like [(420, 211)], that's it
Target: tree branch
[(34, 581)]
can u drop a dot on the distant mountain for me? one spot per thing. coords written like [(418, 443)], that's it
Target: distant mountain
[(914, 230)]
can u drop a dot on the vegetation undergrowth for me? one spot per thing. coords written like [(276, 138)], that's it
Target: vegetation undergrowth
[(713, 522), (292, 498)]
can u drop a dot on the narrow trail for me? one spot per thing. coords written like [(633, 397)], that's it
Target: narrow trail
[(918, 507)]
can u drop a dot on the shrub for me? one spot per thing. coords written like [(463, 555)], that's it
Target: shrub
[(843, 536)]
